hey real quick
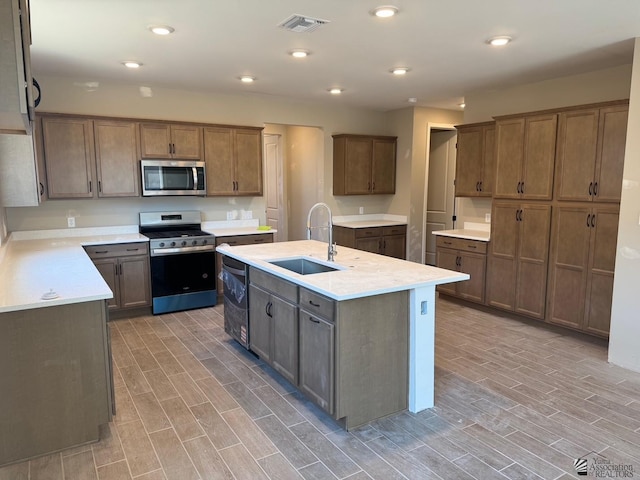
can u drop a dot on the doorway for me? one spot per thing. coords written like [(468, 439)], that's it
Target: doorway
[(275, 209), (440, 195)]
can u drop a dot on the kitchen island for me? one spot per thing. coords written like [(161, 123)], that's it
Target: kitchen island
[(369, 323)]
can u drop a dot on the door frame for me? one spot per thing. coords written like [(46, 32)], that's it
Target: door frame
[(431, 126), (283, 227)]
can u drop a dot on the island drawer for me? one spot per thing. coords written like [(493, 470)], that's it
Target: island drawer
[(476, 246), (273, 284), (317, 304), (117, 250)]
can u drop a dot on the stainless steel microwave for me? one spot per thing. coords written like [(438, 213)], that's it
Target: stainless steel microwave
[(172, 177)]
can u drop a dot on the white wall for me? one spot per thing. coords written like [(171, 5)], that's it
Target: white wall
[(624, 347), (62, 96)]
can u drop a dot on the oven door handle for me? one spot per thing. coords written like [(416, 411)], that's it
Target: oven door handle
[(157, 252)]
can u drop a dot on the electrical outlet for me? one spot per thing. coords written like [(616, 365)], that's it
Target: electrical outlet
[(71, 222), (361, 210), (230, 215), (246, 214), (487, 218)]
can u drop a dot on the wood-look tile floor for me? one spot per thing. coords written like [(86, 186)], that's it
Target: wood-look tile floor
[(513, 400)]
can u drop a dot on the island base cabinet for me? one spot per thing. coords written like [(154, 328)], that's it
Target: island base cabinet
[(55, 379), (316, 360)]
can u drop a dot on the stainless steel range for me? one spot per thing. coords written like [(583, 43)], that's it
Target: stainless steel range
[(182, 261)]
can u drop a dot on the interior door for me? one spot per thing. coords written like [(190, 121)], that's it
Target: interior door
[(274, 185), (440, 188)]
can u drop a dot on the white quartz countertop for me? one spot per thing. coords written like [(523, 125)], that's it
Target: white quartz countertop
[(363, 274), (32, 266), (465, 233), (369, 221), (232, 232)]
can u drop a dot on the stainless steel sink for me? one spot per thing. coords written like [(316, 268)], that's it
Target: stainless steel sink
[(304, 266)]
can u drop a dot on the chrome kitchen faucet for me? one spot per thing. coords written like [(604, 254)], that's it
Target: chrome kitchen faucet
[(331, 250)]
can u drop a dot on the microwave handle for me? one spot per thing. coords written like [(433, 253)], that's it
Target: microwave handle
[(194, 170)]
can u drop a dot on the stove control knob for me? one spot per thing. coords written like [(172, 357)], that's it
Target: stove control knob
[(195, 242), (184, 244), (173, 244), (161, 244), (205, 241)]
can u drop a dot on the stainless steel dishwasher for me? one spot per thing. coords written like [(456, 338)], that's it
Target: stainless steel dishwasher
[(236, 305)]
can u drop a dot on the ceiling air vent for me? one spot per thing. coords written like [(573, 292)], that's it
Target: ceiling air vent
[(301, 23)]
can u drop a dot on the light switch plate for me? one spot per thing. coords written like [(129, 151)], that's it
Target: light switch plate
[(71, 222), (487, 218)]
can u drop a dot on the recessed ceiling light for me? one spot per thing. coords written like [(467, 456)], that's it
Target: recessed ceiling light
[(299, 53), (385, 11), (399, 70), (131, 64), (499, 41), (162, 29), (336, 91), (462, 105), (247, 79)]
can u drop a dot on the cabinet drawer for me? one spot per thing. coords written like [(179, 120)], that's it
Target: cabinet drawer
[(395, 230), (476, 246), (271, 283), (245, 239), (368, 232), (317, 304), (117, 250)]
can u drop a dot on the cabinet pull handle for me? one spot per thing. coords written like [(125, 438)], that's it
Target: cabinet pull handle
[(447, 243), (593, 220), (368, 185), (517, 211), (373, 186), (589, 220), (591, 189), (480, 186), (518, 187), (522, 188), (132, 249), (314, 304), (314, 320), (41, 188), (595, 189), (100, 186), (521, 211), (258, 240), (90, 190), (102, 251), (472, 246), (267, 309)]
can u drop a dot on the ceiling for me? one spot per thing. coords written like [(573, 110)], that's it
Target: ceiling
[(442, 42)]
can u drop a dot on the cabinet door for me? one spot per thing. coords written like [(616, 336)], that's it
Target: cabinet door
[(612, 138), (539, 157), (509, 155), (383, 168), (476, 266), (358, 154), (604, 235), (248, 162), (108, 268), (501, 274), (155, 140), (134, 281), (469, 160), (488, 161), (260, 322), (68, 152), (533, 254), (284, 322), (369, 244), (447, 259), (218, 155), (395, 246), (116, 158), (186, 142), (571, 231), (576, 155), (317, 360)]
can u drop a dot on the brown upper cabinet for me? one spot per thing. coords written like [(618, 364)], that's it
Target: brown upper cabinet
[(364, 165), (163, 140), (87, 158), (590, 154), (525, 156), (475, 159), (234, 161)]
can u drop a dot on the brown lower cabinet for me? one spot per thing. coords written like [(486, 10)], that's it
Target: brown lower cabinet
[(518, 257), (348, 357), (466, 256), (582, 262), (125, 268), (390, 241)]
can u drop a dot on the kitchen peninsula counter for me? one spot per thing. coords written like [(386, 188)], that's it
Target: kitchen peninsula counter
[(373, 293)]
